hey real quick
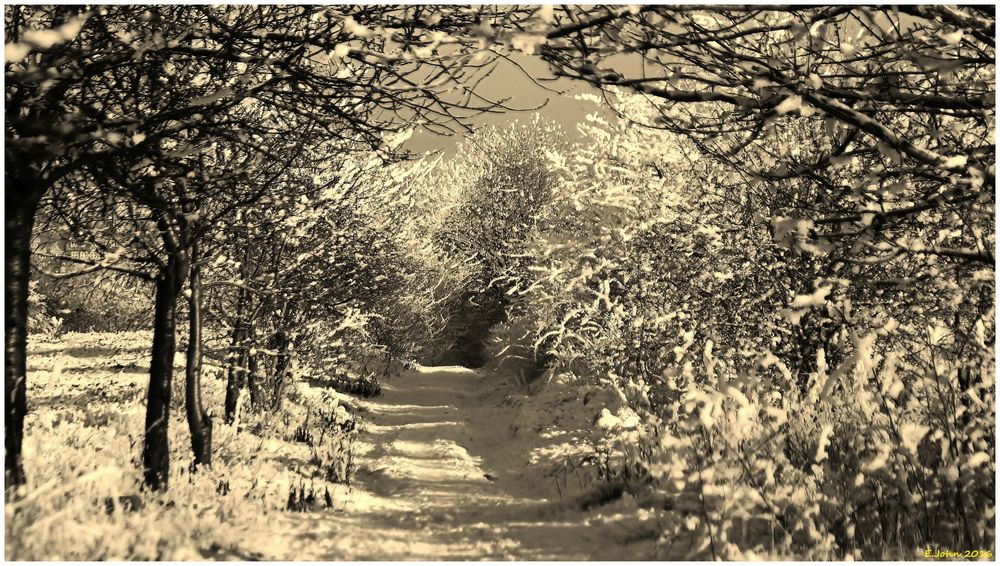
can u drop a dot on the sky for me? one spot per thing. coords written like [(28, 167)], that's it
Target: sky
[(507, 80)]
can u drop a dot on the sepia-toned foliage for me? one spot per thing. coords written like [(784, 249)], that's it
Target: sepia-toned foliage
[(842, 408), (773, 241)]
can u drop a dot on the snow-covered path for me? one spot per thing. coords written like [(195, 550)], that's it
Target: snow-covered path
[(442, 476)]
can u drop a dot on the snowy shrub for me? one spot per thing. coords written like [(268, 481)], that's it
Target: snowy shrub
[(878, 457), (496, 189), (42, 323), (100, 302), (796, 400)]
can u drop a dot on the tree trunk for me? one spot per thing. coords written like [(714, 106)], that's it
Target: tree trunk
[(253, 373), (281, 367), (199, 422), (155, 449), (236, 368), (237, 360), (21, 201)]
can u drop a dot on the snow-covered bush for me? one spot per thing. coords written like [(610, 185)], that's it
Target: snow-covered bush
[(798, 399), (474, 213), (42, 322), (96, 302)]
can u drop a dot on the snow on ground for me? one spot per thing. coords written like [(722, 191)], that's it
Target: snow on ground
[(452, 464), (457, 464), (83, 439)]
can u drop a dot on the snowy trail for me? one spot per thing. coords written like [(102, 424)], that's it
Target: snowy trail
[(442, 477)]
